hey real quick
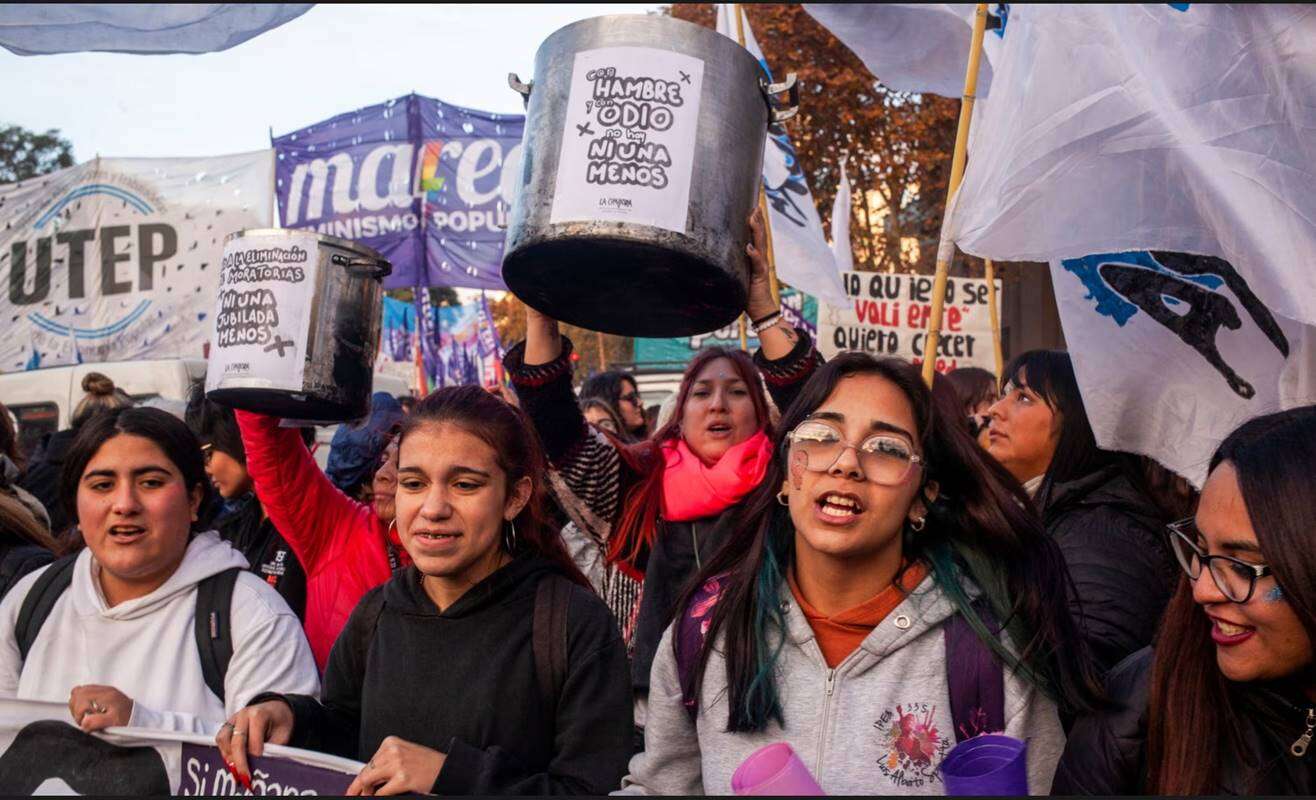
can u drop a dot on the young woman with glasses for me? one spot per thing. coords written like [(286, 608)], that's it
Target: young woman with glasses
[(850, 611), (1225, 700), (618, 392)]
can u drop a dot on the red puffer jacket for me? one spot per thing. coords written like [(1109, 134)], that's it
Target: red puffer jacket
[(340, 542)]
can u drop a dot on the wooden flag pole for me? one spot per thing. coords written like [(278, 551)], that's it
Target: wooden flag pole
[(995, 319), (603, 358), (946, 248)]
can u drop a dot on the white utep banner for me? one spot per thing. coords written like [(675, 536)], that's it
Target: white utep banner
[(30, 29), (913, 47), (799, 247), (42, 752), (1173, 352), (1173, 127), (118, 258)]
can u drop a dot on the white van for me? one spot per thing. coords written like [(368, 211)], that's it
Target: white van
[(42, 400)]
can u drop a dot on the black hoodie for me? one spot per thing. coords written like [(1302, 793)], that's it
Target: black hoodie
[(1106, 753), (463, 682), (1114, 542)]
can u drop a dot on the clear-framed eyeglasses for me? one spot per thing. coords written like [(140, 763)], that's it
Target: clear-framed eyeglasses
[(1236, 578), (885, 458)]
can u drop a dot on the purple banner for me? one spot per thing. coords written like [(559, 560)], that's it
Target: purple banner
[(204, 774), (425, 183)]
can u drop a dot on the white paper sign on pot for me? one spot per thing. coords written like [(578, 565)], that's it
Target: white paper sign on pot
[(263, 312), (628, 144)]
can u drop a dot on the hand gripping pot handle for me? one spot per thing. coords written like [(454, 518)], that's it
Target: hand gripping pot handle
[(523, 89), (363, 267), (779, 112)]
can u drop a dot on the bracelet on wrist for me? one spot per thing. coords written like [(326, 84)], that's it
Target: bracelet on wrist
[(767, 322), (776, 312)]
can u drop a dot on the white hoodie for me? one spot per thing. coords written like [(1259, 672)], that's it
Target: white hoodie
[(146, 648)]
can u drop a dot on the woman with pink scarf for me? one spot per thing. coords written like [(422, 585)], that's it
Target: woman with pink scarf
[(644, 516)]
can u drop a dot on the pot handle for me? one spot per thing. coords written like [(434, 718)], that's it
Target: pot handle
[(523, 89), (771, 90), (363, 267)]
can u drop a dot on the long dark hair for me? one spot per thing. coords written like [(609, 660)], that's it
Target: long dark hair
[(638, 523), (608, 387), (978, 527), (168, 432), (1050, 373), (519, 455), (973, 387), (1192, 706)]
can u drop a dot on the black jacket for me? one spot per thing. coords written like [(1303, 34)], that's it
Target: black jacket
[(1114, 543), (42, 477), (464, 682), (679, 550), (253, 534), (1106, 751)]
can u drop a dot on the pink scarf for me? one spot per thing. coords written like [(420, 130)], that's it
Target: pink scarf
[(694, 491)]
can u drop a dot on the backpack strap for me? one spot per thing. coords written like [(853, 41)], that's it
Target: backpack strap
[(975, 676), (213, 628), (40, 601), (688, 640), (19, 561), (549, 637)]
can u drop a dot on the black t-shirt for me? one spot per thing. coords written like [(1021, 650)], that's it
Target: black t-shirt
[(270, 556)]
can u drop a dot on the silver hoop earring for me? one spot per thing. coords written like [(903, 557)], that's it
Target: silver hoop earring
[(509, 537), (916, 525), (783, 498), (393, 529)]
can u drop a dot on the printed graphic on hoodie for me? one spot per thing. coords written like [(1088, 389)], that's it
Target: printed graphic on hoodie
[(913, 745)]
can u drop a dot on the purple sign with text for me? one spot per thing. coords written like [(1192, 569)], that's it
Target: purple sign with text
[(425, 183), (204, 774)]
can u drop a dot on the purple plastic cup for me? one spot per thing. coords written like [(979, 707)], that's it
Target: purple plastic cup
[(774, 770), (986, 766)]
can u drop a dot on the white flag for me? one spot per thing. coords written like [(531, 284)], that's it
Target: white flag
[(30, 29), (1175, 127), (1173, 352), (914, 47), (841, 224), (800, 249), (118, 258)]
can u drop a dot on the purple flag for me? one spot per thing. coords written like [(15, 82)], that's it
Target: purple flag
[(426, 183)]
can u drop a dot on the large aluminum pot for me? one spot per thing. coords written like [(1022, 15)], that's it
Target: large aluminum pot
[(296, 325), (597, 241)]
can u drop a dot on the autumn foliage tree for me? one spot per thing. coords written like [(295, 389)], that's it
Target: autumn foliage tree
[(509, 318), (899, 144)]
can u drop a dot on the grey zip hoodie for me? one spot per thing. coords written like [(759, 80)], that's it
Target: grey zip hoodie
[(879, 723)]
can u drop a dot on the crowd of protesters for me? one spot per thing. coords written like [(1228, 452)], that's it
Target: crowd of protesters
[(534, 591)]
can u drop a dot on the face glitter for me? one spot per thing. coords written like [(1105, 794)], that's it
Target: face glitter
[(1275, 595), (799, 463)]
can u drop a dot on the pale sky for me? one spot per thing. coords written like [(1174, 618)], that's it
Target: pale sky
[(332, 59)]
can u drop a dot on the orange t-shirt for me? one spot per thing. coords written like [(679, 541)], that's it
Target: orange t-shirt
[(839, 635)]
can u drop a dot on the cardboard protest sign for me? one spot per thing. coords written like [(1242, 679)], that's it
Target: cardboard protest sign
[(118, 258), (42, 752), (629, 138), (888, 316), (263, 313)]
